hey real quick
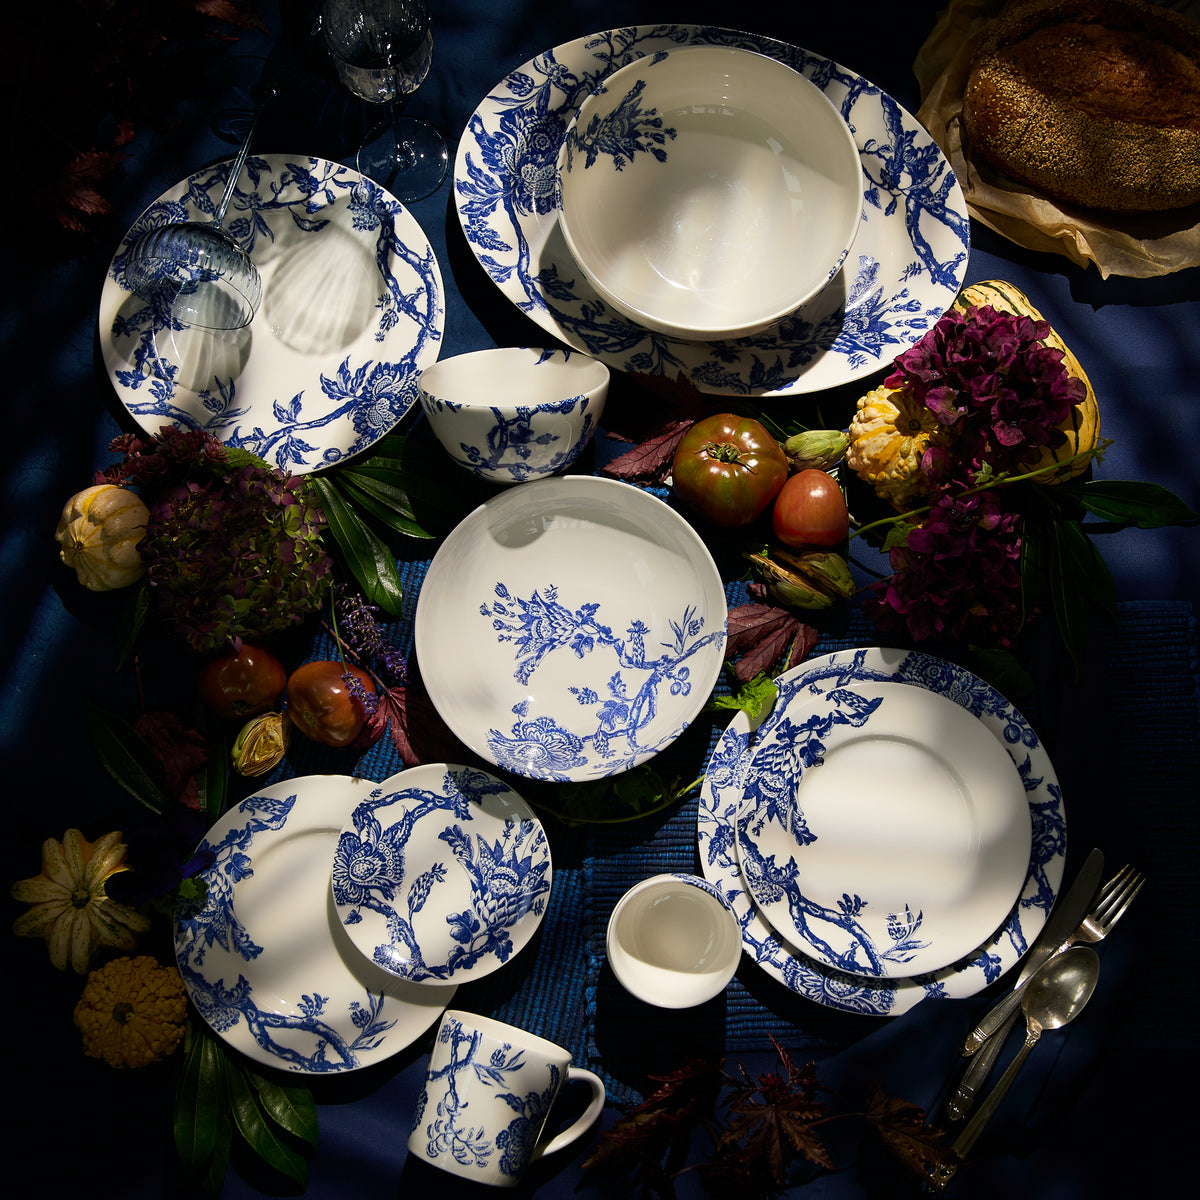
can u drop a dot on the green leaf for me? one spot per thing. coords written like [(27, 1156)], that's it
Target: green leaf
[(260, 1134), (367, 557), (201, 1123), (384, 501), (125, 756), (1143, 505), (291, 1108), (753, 698), (1079, 580), (133, 619), (213, 780)]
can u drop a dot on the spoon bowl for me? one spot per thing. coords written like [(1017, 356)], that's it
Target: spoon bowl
[(1056, 995)]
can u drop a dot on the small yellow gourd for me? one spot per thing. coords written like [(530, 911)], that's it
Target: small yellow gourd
[(889, 433), (1082, 425), (99, 531)]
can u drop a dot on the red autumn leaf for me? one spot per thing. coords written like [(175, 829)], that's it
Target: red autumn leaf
[(901, 1125), (418, 731), (650, 460), (762, 636), (178, 749)]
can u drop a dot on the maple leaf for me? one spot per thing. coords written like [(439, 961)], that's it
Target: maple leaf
[(651, 1140), (772, 1118), (901, 1126), (765, 636), (417, 729)]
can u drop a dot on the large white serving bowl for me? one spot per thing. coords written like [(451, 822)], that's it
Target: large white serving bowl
[(570, 628), (708, 192)]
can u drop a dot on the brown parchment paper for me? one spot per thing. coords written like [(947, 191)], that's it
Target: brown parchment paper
[(1138, 246)]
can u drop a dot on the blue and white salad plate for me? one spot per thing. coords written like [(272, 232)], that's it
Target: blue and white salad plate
[(883, 830), (264, 957), (442, 874), (353, 308), (903, 272), (571, 628), (721, 802)]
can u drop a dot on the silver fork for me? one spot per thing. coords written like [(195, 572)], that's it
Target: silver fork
[(1111, 905)]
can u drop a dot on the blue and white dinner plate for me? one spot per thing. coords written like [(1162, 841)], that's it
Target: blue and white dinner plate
[(265, 959), (441, 874), (904, 270), (353, 309), (883, 830), (722, 796)]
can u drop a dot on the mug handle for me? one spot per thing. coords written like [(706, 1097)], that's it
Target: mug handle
[(580, 1126)]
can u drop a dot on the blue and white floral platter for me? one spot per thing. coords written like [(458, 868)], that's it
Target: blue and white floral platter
[(264, 957), (883, 830), (571, 628), (721, 801), (903, 272), (442, 873), (353, 308)]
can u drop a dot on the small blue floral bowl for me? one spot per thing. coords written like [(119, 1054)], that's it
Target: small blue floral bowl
[(513, 414)]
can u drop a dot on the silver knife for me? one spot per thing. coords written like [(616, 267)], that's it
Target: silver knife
[(1072, 907)]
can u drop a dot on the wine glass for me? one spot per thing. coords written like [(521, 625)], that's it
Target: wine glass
[(382, 50)]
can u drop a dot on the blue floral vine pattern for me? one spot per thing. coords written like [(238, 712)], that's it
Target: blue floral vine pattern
[(372, 394), (453, 1133), (224, 1003), (506, 193), (540, 625), (515, 449), (721, 800), (769, 789), (509, 878)]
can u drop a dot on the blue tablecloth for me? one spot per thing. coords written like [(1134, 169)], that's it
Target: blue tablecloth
[(1125, 740)]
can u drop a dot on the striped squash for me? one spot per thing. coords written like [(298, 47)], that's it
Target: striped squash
[(1082, 425)]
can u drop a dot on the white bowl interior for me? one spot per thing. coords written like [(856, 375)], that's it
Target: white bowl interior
[(512, 377), (727, 226), (673, 942)]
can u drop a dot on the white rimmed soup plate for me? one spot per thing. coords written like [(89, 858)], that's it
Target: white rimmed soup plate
[(570, 628)]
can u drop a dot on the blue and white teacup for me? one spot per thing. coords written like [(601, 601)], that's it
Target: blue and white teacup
[(513, 414), (488, 1092)]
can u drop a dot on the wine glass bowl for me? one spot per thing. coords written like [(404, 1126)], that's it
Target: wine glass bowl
[(382, 51)]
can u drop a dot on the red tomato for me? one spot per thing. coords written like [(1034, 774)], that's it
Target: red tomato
[(242, 684), (320, 704), (810, 510), (728, 468)]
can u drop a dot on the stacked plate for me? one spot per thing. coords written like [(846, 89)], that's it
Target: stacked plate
[(893, 830), (904, 269), (339, 916)]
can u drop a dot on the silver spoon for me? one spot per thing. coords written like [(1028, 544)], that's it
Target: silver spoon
[(1055, 996), (195, 269)]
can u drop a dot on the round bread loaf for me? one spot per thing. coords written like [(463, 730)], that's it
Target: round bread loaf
[(1093, 102)]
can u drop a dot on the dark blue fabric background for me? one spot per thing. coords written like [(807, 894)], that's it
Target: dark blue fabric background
[(1125, 741)]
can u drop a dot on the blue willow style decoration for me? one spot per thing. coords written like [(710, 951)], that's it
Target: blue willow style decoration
[(344, 404), (454, 1132), (770, 797), (384, 875), (905, 269), (218, 925), (515, 449), (721, 803), (540, 625)]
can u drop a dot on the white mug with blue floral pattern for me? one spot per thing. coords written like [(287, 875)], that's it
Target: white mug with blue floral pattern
[(488, 1092)]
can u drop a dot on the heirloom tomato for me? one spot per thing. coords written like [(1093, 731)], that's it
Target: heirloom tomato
[(321, 705), (810, 510), (728, 468), (242, 683)]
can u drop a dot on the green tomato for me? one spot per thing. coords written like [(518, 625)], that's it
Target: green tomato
[(728, 468)]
